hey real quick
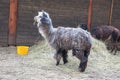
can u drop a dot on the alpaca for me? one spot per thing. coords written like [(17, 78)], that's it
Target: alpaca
[(100, 32), (64, 39), (108, 34)]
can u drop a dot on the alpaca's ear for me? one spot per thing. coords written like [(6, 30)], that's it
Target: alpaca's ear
[(39, 13), (43, 11), (44, 14)]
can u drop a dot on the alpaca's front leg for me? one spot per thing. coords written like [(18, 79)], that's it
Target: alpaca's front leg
[(65, 56), (73, 52), (58, 56)]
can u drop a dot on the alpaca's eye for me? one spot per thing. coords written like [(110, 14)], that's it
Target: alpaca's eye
[(40, 16), (45, 15)]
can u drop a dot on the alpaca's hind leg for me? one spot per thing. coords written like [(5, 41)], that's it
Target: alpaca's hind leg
[(112, 49), (115, 50), (65, 56), (83, 57), (84, 60)]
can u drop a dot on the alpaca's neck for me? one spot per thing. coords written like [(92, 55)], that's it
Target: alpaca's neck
[(46, 31)]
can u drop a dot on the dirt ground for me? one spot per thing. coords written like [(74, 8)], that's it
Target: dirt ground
[(40, 65)]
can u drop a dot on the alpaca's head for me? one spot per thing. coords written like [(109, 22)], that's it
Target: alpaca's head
[(83, 26), (44, 23), (42, 18)]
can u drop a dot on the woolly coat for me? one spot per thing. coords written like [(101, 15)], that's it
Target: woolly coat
[(68, 38)]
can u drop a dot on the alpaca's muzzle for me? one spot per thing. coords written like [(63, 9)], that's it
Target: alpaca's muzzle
[(35, 20)]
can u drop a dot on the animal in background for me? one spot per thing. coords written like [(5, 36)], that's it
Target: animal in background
[(108, 34)]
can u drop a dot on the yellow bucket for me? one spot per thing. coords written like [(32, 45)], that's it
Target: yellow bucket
[(22, 50)]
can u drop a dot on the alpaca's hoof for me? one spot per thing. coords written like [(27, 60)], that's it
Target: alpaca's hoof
[(73, 54), (81, 70), (114, 54), (57, 63), (65, 62)]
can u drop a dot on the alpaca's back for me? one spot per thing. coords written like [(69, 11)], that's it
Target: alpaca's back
[(102, 32), (71, 38)]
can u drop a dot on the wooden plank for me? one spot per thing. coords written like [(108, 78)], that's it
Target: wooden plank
[(12, 22), (89, 14)]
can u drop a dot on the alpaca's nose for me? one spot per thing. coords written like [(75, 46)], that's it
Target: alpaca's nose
[(34, 18), (34, 21)]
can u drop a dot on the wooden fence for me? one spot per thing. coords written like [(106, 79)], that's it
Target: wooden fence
[(16, 17)]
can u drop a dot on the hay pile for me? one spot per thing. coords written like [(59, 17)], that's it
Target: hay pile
[(101, 63), (40, 65)]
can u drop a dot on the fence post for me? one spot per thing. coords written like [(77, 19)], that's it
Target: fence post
[(12, 23), (89, 14), (111, 12)]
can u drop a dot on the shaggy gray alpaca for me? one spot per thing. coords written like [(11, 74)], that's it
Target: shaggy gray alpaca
[(64, 39)]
